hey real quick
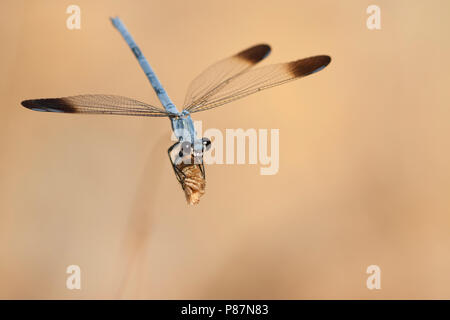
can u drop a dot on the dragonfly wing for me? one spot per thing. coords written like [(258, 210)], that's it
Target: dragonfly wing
[(259, 79), (216, 75), (96, 104)]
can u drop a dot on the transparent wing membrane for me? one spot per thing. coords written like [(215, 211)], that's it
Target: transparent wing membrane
[(96, 104), (223, 82), (254, 80), (211, 80)]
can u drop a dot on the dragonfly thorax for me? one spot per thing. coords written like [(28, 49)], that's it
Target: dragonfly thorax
[(183, 127)]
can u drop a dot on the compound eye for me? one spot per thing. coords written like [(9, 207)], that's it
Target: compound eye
[(206, 143), (185, 148)]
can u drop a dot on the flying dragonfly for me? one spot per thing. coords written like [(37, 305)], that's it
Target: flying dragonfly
[(223, 82)]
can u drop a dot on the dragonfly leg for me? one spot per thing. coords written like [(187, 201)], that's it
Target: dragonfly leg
[(178, 173), (202, 169), (206, 146)]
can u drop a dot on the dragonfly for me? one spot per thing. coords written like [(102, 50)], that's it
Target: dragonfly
[(223, 82)]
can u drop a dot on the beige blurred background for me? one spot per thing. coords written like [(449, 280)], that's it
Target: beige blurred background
[(364, 154)]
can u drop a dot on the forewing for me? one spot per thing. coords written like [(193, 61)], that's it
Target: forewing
[(96, 104), (259, 79), (216, 75)]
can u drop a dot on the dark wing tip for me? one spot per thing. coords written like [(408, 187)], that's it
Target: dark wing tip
[(27, 104), (48, 105), (255, 53), (307, 66)]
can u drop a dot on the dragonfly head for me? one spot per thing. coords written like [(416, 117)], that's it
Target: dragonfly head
[(195, 150)]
